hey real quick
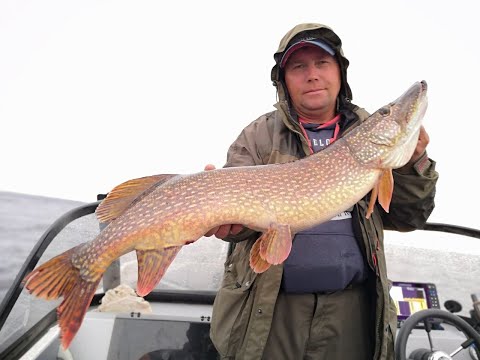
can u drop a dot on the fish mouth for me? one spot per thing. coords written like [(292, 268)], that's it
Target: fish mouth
[(411, 124), (418, 108), (390, 136), (424, 102), (424, 85)]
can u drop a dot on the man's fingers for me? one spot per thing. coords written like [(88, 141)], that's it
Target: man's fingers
[(236, 228), (423, 137), (209, 167), (223, 231), (220, 232), (423, 140), (212, 231)]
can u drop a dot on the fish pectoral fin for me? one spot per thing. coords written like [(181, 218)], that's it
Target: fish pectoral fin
[(257, 263), (276, 243), (383, 190), (373, 199), (123, 195), (152, 265)]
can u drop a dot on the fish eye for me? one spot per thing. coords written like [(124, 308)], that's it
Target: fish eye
[(384, 110)]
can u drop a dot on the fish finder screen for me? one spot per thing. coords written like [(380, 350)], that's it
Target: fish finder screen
[(409, 298)]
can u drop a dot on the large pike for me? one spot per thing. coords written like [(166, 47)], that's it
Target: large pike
[(157, 215)]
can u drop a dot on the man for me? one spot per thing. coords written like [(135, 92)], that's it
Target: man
[(330, 299)]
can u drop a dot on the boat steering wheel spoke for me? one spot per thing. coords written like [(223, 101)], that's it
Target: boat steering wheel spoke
[(426, 317)]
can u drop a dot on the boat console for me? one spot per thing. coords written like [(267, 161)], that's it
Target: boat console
[(411, 297)]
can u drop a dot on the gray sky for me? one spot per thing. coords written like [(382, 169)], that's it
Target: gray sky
[(93, 93)]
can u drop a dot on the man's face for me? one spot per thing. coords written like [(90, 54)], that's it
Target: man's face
[(313, 81)]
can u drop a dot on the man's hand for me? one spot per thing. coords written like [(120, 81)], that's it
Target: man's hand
[(222, 231), (423, 140)]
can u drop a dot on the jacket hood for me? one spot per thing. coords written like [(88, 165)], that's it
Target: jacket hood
[(323, 33)]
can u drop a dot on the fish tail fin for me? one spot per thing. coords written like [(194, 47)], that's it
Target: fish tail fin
[(73, 308), (59, 277), (152, 265), (54, 278)]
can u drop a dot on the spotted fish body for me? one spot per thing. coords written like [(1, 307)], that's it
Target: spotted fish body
[(185, 208), (157, 215)]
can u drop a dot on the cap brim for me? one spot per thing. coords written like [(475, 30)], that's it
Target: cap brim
[(301, 44)]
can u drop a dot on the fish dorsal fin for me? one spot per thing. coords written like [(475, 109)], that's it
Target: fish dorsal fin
[(123, 195), (382, 190)]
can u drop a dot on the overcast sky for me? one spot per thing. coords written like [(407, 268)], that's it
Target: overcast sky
[(93, 93)]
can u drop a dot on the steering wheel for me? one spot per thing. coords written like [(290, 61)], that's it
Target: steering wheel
[(423, 315)]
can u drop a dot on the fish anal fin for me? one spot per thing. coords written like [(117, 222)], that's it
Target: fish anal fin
[(152, 265), (123, 195), (276, 243), (385, 189), (257, 263)]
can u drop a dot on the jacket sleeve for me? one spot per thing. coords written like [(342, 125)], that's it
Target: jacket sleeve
[(413, 196), (245, 150)]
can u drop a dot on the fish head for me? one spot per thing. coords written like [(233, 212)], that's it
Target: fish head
[(387, 139)]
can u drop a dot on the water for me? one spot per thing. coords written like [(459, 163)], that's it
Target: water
[(23, 220)]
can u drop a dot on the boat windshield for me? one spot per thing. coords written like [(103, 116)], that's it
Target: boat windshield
[(198, 267)]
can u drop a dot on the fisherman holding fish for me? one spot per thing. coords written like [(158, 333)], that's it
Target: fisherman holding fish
[(307, 278), (330, 298)]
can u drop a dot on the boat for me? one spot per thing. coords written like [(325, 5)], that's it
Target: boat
[(173, 321)]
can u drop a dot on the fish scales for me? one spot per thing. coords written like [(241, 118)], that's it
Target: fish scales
[(254, 196), (157, 215)]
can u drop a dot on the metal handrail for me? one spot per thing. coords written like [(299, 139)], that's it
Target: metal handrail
[(453, 229), (16, 288)]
